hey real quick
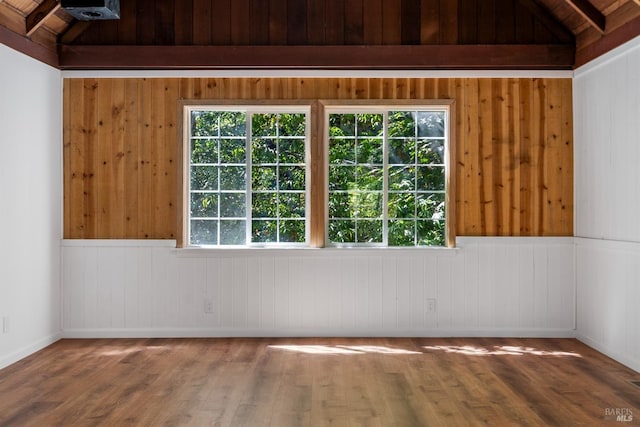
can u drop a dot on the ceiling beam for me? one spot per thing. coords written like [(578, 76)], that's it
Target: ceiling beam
[(40, 15), (378, 57), (73, 31), (608, 42), (23, 44), (590, 13)]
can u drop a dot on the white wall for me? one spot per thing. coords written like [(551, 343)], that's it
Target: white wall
[(487, 287), (607, 180), (30, 204)]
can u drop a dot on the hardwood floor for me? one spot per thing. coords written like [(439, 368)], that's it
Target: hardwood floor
[(317, 382)]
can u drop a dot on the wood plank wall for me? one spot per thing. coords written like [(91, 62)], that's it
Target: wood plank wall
[(514, 148), (323, 22)]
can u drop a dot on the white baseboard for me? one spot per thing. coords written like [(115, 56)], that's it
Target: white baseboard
[(618, 357), (28, 350), (291, 333)]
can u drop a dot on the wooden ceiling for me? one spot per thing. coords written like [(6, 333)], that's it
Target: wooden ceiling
[(395, 34)]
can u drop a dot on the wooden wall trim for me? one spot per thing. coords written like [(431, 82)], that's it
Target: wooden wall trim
[(315, 73), (24, 45), (317, 190), (608, 42), (321, 57)]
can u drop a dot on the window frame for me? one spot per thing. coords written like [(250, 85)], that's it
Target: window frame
[(184, 174), (384, 107), (317, 164)]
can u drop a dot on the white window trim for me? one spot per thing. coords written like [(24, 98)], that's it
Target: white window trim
[(317, 163), (248, 109), (383, 107)]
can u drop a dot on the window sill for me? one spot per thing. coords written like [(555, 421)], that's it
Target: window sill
[(204, 252)]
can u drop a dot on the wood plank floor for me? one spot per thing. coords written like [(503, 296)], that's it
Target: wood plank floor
[(317, 382)]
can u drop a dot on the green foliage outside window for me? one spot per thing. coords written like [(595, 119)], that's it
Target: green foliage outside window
[(386, 178), (278, 178), (414, 172), (218, 178)]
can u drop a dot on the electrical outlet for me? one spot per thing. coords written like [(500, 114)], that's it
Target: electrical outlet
[(209, 307), (6, 323), (431, 305)]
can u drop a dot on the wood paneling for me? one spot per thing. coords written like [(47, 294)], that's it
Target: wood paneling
[(487, 287), (325, 22), (343, 22), (513, 159)]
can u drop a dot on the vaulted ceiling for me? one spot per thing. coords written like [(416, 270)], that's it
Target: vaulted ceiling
[(395, 34)]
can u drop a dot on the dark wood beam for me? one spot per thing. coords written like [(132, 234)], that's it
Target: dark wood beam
[(548, 20), (24, 45), (40, 15), (609, 41), (411, 57), (590, 13), (73, 31)]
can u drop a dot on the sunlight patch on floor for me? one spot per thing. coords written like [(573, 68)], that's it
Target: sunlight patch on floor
[(343, 349), (498, 350), (128, 350), (379, 349)]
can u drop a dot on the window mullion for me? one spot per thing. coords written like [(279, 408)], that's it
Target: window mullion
[(355, 174), (248, 178), (415, 180), (277, 191), (307, 171), (219, 163), (385, 178)]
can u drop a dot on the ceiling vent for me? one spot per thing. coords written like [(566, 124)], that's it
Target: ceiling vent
[(92, 10)]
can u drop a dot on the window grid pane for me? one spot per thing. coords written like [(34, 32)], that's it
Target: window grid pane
[(417, 178), (356, 205), (218, 170), (278, 178), (410, 178), (247, 177)]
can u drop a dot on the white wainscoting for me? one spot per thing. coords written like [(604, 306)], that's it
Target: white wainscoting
[(486, 287), (607, 145), (608, 277), (607, 192)]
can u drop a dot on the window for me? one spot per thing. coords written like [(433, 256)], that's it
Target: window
[(247, 176), (318, 173), (387, 177)]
